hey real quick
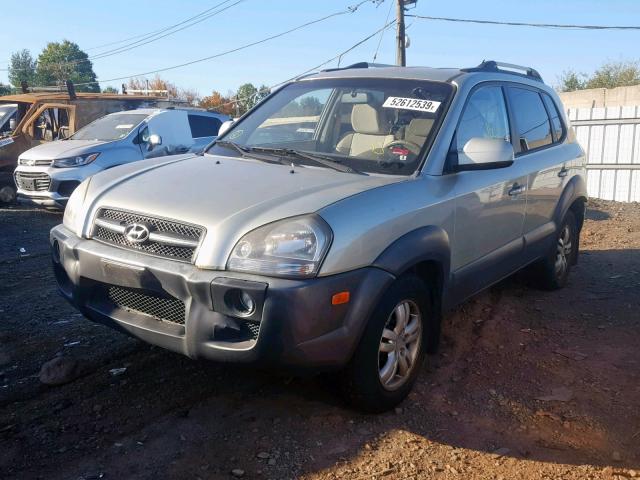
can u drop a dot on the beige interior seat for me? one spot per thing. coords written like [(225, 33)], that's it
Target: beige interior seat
[(418, 130), (368, 137)]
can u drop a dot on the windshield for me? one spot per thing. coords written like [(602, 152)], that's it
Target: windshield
[(369, 125), (110, 127)]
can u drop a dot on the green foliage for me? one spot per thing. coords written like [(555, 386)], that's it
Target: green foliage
[(615, 74), (22, 68), (5, 89), (609, 75), (246, 97), (109, 89), (571, 81), (59, 62)]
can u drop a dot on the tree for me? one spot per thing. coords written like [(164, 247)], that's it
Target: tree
[(59, 62), (22, 68), (571, 81), (246, 97), (189, 95), (263, 92), (158, 83), (109, 89), (216, 101), (5, 89), (615, 74), (609, 75)]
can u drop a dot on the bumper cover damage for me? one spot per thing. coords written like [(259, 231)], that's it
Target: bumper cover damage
[(192, 311)]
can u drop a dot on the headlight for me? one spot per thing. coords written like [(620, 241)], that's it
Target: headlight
[(73, 210), (75, 161), (294, 247)]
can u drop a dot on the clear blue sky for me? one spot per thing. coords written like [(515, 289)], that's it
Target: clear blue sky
[(93, 23)]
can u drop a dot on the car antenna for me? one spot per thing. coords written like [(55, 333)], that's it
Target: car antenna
[(292, 168)]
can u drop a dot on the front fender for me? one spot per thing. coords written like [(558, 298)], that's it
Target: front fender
[(423, 244)]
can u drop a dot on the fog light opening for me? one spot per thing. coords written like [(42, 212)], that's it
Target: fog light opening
[(241, 302), (56, 251)]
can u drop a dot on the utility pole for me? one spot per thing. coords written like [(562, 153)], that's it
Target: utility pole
[(401, 55)]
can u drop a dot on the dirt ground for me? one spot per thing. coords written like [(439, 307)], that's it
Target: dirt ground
[(527, 384)]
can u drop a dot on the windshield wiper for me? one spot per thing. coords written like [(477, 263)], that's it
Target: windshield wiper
[(321, 159), (247, 152)]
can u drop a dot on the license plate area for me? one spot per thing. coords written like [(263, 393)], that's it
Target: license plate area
[(122, 273), (29, 183)]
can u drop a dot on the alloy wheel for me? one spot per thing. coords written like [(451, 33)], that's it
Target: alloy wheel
[(399, 345), (563, 251)]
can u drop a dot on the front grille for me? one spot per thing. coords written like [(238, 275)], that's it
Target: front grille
[(254, 328), (113, 222), (33, 181), (165, 308), (36, 163)]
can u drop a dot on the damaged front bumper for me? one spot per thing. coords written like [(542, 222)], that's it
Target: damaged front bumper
[(201, 313)]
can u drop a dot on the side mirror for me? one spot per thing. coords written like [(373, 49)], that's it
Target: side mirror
[(485, 154), (224, 127), (154, 141), (12, 124)]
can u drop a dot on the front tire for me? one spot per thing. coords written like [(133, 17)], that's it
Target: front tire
[(387, 360)]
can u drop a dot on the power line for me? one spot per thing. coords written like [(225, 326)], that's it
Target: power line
[(375, 55), (351, 9), (149, 38), (156, 32), (525, 24), (326, 62), (142, 42)]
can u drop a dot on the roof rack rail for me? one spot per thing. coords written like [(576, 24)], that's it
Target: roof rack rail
[(358, 65), (493, 66)]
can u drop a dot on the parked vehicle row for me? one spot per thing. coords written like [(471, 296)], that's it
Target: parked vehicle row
[(31, 119), (47, 174)]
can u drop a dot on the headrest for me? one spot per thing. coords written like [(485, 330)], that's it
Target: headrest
[(366, 119), (419, 127)]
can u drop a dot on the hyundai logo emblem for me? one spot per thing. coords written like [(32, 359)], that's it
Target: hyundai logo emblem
[(136, 233)]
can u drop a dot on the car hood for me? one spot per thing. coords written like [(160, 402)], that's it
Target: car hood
[(228, 197), (61, 149)]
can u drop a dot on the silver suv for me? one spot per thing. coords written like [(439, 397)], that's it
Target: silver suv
[(330, 227)]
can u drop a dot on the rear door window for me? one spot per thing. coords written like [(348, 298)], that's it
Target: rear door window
[(203, 126), (532, 122)]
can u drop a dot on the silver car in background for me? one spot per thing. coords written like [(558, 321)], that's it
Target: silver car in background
[(47, 174), (330, 227)]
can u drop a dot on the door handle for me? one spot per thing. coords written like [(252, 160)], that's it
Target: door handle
[(516, 190), (563, 172)]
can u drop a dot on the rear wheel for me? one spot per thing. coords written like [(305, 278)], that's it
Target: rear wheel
[(391, 351), (552, 272)]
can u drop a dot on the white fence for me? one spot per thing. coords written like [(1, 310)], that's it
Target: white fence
[(611, 139)]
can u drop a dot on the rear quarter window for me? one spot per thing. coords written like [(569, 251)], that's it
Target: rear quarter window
[(554, 115), (202, 126)]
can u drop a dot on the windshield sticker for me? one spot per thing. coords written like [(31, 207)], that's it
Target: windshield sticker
[(403, 103), (235, 134), (126, 126), (6, 141)]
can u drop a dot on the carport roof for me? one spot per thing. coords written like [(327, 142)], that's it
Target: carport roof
[(53, 96)]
